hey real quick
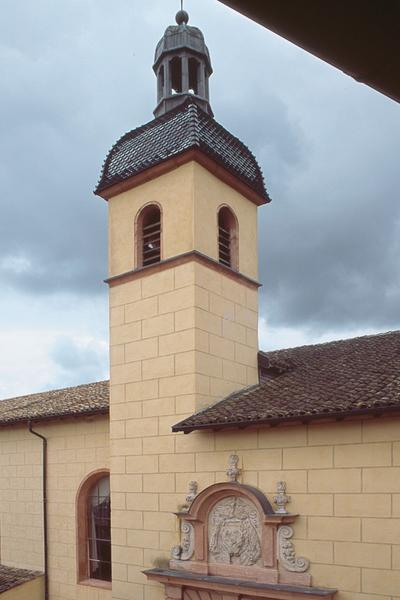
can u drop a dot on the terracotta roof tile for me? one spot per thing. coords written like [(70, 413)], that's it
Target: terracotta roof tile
[(11, 577), (335, 379), (91, 398), (179, 130)]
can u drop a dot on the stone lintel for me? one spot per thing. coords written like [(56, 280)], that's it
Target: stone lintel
[(238, 587)]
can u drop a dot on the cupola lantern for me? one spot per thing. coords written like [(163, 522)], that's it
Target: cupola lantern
[(182, 66)]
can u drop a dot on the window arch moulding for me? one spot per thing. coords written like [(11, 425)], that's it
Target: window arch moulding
[(228, 237), (148, 235), (93, 530)]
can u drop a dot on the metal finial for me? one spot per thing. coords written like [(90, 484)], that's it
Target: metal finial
[(182, 17)]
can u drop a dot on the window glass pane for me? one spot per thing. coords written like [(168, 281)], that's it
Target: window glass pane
[(100, 570), (99, 530), (224, 237)]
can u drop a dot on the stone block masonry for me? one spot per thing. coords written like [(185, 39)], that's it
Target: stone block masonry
[(75, 449)]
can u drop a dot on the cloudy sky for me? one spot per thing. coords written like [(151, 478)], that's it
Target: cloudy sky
[(76, 74)]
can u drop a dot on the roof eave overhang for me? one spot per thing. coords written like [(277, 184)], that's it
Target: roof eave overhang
[(374, 412), (360, 38), (192, 154), (46, 418)]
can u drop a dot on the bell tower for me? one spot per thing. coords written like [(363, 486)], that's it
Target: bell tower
[(183, 194)]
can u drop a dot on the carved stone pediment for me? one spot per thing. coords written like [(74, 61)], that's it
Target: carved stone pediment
[(230, 533)]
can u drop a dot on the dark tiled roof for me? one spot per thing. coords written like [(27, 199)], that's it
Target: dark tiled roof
[(336, 379), (91, 398), (184, 128), (11, 577)]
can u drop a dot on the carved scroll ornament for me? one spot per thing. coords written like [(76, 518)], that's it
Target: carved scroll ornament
[(287, 554), (186, 548)]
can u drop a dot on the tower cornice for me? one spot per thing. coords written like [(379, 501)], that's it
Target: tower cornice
[(177, 161), (181, 259)]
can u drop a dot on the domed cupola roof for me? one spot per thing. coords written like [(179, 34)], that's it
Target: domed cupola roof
[(182, 36)]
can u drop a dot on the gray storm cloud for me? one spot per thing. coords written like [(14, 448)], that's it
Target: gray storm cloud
[(78, 75)]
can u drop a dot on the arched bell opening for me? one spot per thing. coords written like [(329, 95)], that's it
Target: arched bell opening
[(194, 69), (228, 238), (175, 67), (148, 236)]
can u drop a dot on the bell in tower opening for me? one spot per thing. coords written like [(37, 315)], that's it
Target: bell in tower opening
[(182, 65)]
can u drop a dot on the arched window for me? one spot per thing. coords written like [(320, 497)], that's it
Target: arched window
[(94, 528), (227, 238), (148, 235), (175, 66), (194, 66)]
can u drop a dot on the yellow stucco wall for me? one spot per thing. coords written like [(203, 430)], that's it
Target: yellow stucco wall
[(209, 194), (174, 192), (343, 478), (189, 198), (179, 340), (31, 590), (75, 449)]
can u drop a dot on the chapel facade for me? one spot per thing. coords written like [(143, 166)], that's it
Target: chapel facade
[(204, 469)]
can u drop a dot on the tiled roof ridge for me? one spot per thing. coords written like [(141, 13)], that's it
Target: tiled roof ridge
[(240, 143), (132, 133)]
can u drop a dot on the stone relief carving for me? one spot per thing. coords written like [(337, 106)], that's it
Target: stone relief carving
[(233, 471), (234, 532), (281, 499), (186, 548), (287, 554), (192, 493)]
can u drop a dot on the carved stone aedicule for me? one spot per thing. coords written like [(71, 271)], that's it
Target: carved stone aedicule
[(228, 532), (234, 532), (231, 530)]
